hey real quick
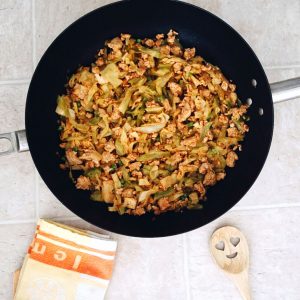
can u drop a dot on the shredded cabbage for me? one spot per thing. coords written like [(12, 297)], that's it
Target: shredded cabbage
[(149, 126), (151, 155), (111, 73), (126, 100), (162, 194), (162, 81), (63, 106)]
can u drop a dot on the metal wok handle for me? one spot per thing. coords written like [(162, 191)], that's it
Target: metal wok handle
[(18, 142), (285, 90)]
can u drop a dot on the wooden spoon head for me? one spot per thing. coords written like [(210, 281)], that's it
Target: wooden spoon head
[(229, 248)]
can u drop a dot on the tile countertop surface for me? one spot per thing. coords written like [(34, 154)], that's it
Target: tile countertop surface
[(178, 267)]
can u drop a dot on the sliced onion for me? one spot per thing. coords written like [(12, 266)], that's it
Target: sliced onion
[(71, 113), (154, 127), (117, 182), (154, 110), (151, 128), (93, 155), (124, 140), (100, 79), (146, 194)]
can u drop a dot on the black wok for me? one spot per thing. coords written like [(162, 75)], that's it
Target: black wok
[(216, 41)]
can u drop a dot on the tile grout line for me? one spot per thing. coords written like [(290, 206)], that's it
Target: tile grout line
[(292, 66), (37, 194), (185, 267), (37, 177), (15, 81), (17, 222), (33, 24), (29, 221), (256, 207)]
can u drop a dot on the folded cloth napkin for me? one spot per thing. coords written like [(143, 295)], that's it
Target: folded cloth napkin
[(64, 263)]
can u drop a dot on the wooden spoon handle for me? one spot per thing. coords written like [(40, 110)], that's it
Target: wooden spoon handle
[(242, 283)]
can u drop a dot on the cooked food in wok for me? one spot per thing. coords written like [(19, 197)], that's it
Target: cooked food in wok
[(149, 126)]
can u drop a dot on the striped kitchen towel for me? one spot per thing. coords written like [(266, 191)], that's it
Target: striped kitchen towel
[(64, 263)]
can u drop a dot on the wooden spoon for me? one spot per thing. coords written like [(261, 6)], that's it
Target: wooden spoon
[(230, 251)]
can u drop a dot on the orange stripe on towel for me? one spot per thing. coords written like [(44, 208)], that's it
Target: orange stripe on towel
[(59, 239), (68, 259)]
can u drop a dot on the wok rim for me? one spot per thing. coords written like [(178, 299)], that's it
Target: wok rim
[(214, 217)]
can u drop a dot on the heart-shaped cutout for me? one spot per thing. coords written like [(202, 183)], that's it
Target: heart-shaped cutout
[(220, 246), (234, 241)]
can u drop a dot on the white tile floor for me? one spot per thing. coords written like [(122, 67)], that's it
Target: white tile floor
[(178, 267)]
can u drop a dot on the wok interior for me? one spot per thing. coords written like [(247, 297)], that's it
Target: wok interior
[(214, 40)]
